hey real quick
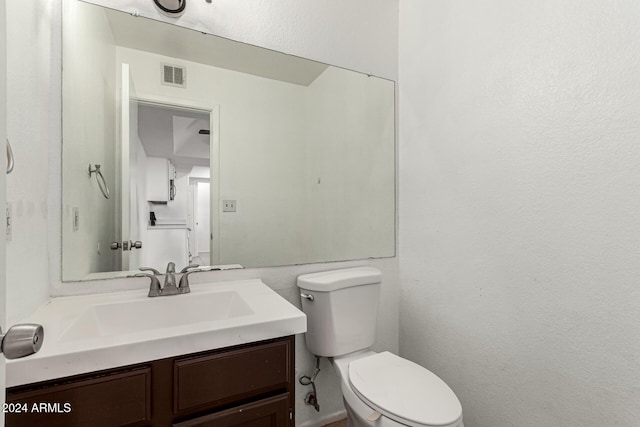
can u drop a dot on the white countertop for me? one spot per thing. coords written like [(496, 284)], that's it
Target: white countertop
[(64, 354)]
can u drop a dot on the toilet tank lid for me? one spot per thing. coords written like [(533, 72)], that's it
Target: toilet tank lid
[(327, 281)]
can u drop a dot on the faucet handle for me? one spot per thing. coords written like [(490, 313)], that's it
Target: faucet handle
[(171, 267), (154, 288), (188, 267), (156, 272), (183, 285)]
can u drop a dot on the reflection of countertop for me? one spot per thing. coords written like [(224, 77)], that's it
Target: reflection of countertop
[(110, 275), (94, 347), (166, 226), (168, 223), (218, 267), (124, 274)]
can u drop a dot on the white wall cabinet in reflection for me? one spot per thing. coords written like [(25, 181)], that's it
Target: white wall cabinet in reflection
[(159, 180)]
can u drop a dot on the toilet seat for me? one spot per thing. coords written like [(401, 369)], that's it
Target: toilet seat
[(404, 391)]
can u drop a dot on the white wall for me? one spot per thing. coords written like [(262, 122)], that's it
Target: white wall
[(350, 135), (90, 136), (519, 227), (276, 141), (360, 34), (33, 120)]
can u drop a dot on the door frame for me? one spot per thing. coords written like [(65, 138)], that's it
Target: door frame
[(214, 157)]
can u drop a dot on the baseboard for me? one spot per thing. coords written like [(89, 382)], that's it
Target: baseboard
[(328, 419)]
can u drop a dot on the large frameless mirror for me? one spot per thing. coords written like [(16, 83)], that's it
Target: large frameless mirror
[(215, 152)]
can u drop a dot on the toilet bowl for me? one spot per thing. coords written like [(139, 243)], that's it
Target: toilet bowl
[(385, 390), (379, 389)]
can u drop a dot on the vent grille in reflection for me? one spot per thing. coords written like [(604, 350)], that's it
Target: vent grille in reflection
[(173, 76)]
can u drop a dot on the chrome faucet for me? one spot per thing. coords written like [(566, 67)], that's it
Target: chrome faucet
[(183, 286), (155, 289), (169, 288)]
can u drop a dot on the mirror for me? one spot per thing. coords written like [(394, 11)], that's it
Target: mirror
[(216, 152)]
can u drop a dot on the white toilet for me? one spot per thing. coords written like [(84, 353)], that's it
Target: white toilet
[(379, 389)]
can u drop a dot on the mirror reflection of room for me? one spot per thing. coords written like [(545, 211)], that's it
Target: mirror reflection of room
[(301, 154)]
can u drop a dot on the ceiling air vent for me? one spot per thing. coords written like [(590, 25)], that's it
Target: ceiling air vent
[(173, 75)]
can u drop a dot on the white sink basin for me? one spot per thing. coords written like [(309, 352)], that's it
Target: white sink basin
[(102, 331), (128, 317)]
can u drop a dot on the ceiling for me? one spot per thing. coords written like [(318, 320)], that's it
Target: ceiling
[(173, 134), (178, 42)]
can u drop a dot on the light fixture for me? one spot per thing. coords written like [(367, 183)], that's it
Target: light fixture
[(171, 7)]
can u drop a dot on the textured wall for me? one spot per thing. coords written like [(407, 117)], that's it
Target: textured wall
[(350, 141), (519, 188), (89, 70), (33, 117)]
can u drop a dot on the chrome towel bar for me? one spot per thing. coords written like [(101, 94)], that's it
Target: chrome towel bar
[(102, 183)]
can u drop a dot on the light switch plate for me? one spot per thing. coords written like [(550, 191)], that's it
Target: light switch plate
[(228, 206)]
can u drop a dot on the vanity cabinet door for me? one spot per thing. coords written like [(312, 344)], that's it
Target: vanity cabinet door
[(231, 376), (251, 385), (270, 412), (117, 399)]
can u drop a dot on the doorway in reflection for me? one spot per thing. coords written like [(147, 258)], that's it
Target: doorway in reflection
[(173, 179)]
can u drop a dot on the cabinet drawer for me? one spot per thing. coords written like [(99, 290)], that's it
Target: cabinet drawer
[(118, 399), (234, 375), (270, 412)]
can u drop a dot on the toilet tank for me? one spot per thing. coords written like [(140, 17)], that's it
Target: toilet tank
[(341, 308)]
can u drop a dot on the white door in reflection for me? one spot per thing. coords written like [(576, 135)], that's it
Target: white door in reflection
[(202, 208)]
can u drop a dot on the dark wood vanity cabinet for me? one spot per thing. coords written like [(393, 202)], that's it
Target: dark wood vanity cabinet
[(247, 385)]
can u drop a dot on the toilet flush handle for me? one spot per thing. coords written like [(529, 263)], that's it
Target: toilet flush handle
[(307, 296)]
